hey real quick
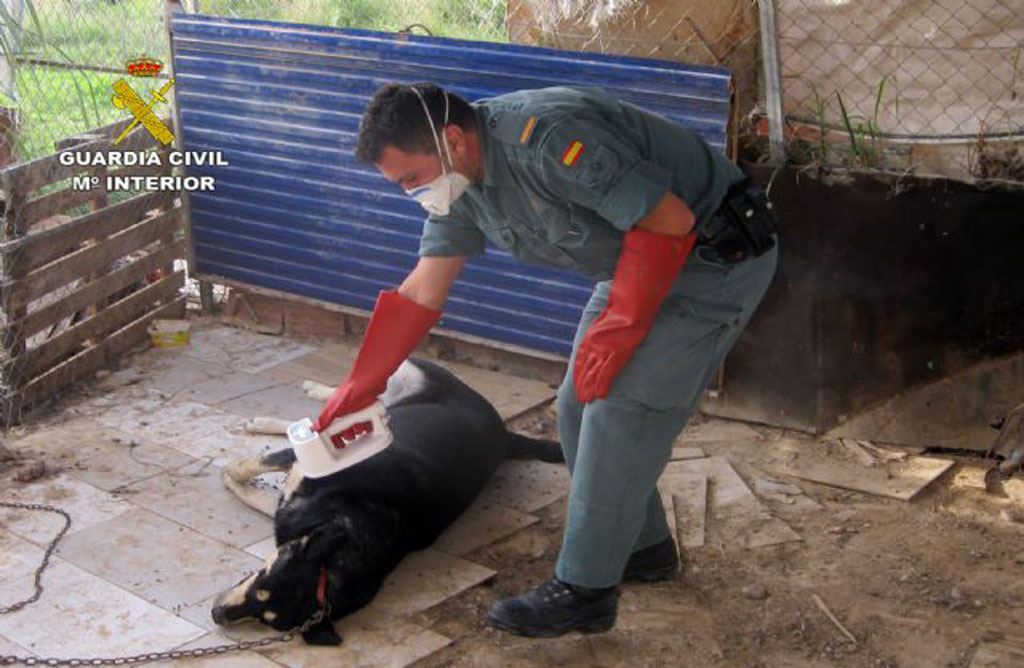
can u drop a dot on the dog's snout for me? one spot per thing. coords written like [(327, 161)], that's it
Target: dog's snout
[(217, 612)]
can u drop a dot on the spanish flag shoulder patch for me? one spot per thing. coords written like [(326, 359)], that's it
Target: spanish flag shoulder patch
[(572, 153), (527, 129)]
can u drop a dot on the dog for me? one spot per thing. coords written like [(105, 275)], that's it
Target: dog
[(339, 536)]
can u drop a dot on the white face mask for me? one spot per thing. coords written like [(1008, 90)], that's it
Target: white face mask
[(438, 195)]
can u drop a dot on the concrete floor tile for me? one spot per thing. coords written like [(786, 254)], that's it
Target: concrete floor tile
[(327, 364), (510, 395), (166, 370), (526, 486), (86, 504), (104, 457), (369, 640), (424, 579), (242, 350), (287, 402), (8, 648), (482, 524), (714, 429), (96, 619), (18, 557), (198, 430), (156, 559), (229, 386), (233, 659), (200, 501), (263, 548)]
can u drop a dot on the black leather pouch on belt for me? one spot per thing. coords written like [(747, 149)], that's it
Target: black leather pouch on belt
[(744, 225)]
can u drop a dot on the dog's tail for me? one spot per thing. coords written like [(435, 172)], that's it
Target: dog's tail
[(524, 447)]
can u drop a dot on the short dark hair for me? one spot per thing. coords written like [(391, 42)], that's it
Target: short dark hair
[(395, 117)]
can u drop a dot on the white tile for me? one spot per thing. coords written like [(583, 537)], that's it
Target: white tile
[(424, 579), (8, 648), (223, 388), (86, 504), (200, 501), (102, 456), (285, 401), (242, 350), (482, 524), (263, 548), (156, 559), (369, 640), (17, 557), (526, 486), (95, 618)]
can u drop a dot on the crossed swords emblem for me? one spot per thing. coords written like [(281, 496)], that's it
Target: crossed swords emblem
[(126, 98)]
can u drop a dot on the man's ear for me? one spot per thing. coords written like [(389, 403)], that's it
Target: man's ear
[(322, 634), (325, 540)]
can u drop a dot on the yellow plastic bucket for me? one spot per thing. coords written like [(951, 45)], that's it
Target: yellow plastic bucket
[(170, 333)]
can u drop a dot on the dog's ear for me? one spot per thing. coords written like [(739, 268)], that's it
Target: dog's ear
[(325, 540), (322, 634)]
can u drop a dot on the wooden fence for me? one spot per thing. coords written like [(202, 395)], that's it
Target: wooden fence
[(80, 290)]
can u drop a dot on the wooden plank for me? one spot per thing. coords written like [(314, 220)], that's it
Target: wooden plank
[(859, 452), (63, 271), (897, 480), (105, 286), (999, 655), (30, 252), (681, 452), (99, 355), (110, 318), (41, 208), (33, 175)]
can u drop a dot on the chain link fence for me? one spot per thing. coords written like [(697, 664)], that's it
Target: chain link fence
[(932, 85)]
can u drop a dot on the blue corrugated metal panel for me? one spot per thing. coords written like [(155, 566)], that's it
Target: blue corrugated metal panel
[(293, 211)]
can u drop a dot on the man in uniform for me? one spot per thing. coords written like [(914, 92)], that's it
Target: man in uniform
[(682, 249)]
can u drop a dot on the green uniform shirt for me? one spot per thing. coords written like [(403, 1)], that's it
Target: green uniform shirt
[(567, 171)]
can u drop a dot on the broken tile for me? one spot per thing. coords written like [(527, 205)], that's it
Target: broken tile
[(510, 395), (424, 579), (17, 557), (96, 618), (681, 452), (287, 402), (200, 501), (897, 480), (736, 519), (369, 640), (231, 659), (714, 429), (481, 524), (86, 504), (526, 486), (684, 496), (156, 559)]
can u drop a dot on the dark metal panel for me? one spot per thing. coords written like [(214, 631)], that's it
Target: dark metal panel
[(293, 211)]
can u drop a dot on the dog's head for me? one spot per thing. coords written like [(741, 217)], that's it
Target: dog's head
[(286, 592)]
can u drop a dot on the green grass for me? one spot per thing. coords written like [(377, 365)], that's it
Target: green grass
[(57, 103)]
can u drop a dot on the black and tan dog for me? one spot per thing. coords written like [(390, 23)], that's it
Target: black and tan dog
[(339, 536)]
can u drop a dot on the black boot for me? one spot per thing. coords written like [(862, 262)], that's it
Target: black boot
[(555, 608), (653, 563)]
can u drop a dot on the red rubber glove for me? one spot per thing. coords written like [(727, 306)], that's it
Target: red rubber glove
[(647, 266), (396, 327)]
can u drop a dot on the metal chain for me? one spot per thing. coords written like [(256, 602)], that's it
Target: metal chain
[(10, 660)]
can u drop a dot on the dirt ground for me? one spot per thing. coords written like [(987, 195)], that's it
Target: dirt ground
[(918, 584)]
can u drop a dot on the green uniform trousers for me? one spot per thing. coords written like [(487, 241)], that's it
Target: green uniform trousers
[(617, 447)]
